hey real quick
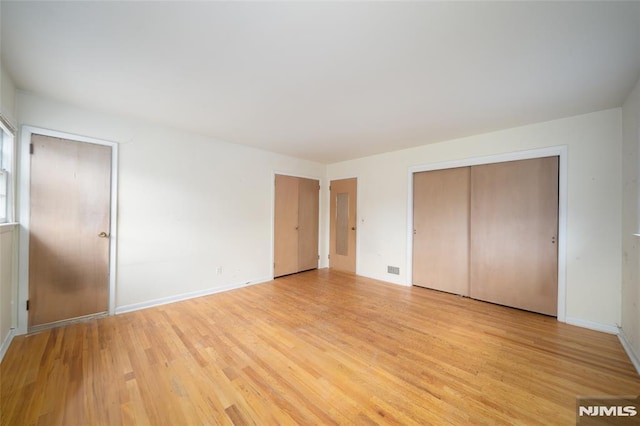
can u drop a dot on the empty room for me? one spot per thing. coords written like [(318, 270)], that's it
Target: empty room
[(319, 213)]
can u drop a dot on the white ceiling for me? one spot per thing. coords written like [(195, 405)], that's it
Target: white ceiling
[(327, 81)]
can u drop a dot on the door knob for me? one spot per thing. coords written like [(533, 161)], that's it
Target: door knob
[(353, 228), (103, 235)]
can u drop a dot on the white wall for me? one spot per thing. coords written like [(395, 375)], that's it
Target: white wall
[(7, 96), (631, 224), (593, 216), (187, 204)]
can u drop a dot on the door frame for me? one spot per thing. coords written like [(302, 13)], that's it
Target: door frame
[(561, 152), (329, 180), (25, 212)]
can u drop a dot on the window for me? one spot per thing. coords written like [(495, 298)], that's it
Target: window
[(6, 170)]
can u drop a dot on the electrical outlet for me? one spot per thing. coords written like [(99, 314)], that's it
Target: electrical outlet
[(219, 270)]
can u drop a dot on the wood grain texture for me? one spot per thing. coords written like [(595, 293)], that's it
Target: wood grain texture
[(339, 261), (320, 347), (514, 232), (296, 228), (70, 205), (308, 223), (441, 230), (286, 225)]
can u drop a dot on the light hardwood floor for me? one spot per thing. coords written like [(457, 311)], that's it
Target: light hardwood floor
[(314, 348)]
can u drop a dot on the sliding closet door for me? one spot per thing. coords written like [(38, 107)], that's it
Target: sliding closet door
[(441, 230), (514, 229), (308, 223), (286, 226)]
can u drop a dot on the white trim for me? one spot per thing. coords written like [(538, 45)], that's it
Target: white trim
[(6, 343), (273, 214), (25, 199), (358, 216), (610, 329), (7, 227), (633, 357), (185, 296), (563, 203), (272, 222), (7, 123), (278, 172), (9, 157), (560, 151)]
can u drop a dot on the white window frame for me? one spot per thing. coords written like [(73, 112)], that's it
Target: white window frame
[(7, 167)]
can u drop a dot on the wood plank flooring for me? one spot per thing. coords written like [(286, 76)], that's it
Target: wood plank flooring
[(314, 348)]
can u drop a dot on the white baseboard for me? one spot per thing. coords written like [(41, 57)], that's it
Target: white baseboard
[(633, 356), (6, 342), (611, 329), (386, 280), (184, 296)]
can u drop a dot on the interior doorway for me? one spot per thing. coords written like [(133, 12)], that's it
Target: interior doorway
[(343, 224), (70, 209), (296, 224)]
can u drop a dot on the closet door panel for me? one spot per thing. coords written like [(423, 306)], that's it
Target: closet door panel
[(286, 226), (514, 229), (441, 230), (308, 222)]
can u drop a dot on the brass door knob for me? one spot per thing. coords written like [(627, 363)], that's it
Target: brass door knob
[(103, 235)]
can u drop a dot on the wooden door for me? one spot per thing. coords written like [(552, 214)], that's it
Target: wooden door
[(441, 230), (343, 225), (297, 202), (308, 223), (514, 231), (286, 226), (68, 230)]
